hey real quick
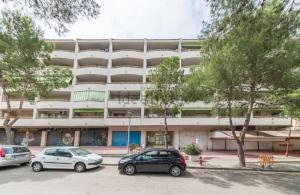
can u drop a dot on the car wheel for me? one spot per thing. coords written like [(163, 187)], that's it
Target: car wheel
[(175, 171), (80, 167), (129, 169), (37, 166)]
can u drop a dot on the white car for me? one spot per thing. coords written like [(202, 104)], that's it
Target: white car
[(65, 158), (14, 155)]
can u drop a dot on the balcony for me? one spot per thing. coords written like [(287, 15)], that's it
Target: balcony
[(189, 62), (161, 54), (63, 54), (126, 79), (124, 99), (159, 45), (25, 114), (101, 45), (64, 62), (127, 62), (190, 54), (91, 79), (123, 113), (152, 63), (88, 113), (92, 62), (53, 114), (119, 46), (63, 45)]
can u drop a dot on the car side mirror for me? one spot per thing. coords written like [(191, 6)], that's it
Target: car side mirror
[(69, 155)]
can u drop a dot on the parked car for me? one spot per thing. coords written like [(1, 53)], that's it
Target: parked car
[(65, 158), (154, 160), (14, 155)]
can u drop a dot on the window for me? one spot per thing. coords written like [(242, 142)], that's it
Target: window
[(63, 153), (150, 155), (79, 152), (20, 149), (51, 152)]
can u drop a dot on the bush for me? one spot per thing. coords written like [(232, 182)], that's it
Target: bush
[(133, 146), (192, 149)]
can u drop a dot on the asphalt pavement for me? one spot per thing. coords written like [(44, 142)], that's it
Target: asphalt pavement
[(107, 180)]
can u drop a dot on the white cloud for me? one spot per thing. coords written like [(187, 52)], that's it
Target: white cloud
[(142, 19)]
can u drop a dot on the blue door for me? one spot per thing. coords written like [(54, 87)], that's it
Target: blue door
[(119, 138)]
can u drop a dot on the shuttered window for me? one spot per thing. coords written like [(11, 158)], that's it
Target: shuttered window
[(98, 96)]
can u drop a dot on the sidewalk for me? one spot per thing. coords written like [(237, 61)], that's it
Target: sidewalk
[(212, 159)]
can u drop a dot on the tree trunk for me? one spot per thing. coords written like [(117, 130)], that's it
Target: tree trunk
[(9, 135), (242, 161), (245, 127), (166, 130)]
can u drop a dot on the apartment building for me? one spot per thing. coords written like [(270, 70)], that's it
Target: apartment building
[(110, 77)]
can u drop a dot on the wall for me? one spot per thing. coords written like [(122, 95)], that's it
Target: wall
[(187, 137)]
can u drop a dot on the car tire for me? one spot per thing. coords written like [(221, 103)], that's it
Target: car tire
[(79, 167), (175, 171), (37, 167), (129, 169)]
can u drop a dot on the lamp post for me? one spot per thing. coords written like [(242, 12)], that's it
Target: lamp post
[(128, 133)]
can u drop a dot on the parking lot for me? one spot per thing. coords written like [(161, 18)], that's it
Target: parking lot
[(107, 180)]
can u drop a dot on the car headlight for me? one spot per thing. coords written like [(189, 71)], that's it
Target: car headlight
[(124, 160)]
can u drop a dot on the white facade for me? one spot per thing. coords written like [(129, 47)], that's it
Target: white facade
[(119, 69)]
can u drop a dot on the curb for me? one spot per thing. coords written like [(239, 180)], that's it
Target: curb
[(225, 169)]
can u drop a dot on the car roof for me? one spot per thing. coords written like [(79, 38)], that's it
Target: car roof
[(61, 147), (161, 149), (11, 146)]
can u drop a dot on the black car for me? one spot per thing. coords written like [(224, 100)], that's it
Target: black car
[(154, 160)]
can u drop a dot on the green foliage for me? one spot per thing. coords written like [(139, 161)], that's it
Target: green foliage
[(22, 48), (192, 149), (166, 90), (58, 14), (246, 45)]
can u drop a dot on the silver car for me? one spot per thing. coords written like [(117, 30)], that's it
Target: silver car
[(14, 155), (74, 158)]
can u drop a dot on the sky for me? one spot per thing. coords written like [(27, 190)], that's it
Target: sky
[(141, 19)]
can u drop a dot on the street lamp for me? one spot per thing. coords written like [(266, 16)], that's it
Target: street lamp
[(129, 113)]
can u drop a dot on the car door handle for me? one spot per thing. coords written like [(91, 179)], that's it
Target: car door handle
[(57, 158)]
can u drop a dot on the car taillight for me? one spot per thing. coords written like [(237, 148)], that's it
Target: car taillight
[(2, 152), (181, 160)]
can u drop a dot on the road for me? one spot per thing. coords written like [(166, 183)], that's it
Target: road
[(107, 180)]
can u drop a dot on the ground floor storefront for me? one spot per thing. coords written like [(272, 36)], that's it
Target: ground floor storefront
[(207, 138)]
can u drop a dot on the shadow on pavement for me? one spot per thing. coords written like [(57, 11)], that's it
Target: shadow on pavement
[(283, 182), (24, 173)]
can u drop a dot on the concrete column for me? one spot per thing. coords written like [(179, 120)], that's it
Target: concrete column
[(109, 137), (71, 113), (13, 136), (176, 141), (144, 138), (145, 71), (179, 51), (109, 65), (75, 55), (35, 113), (209, 141), (77, 138), (44, 138)]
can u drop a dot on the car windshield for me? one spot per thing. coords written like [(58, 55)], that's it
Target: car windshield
[(79, 151)]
